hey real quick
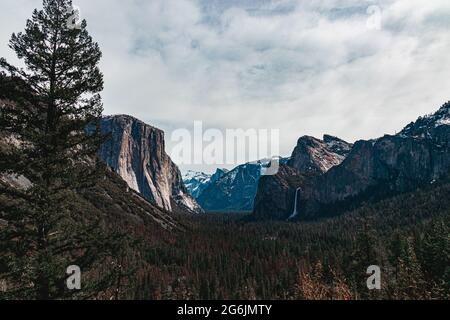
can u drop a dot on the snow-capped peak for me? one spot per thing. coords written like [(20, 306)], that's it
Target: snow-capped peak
[(199, 176), (424, 125)]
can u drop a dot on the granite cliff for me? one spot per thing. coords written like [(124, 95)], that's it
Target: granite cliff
[(136, 151)]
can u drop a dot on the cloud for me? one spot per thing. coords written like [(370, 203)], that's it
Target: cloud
[(304, 67)]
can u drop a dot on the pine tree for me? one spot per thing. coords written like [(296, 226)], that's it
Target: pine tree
[(363, 255), (434, 253), (411, 283), (45, 110)]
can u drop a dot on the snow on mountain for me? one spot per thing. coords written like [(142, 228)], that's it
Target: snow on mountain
[(425, 126), (197, 182), (234, 191), (200, 176)]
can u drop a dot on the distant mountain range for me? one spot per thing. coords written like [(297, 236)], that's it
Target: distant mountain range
[(236, 190), (227, 191), (325, 175), (197, 182), (233, 191)]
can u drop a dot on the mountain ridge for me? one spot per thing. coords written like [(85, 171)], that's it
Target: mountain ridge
[(419, 154)]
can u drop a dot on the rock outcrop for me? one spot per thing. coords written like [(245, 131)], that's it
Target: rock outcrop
[(136, 151), (316, 156), (311, 157)]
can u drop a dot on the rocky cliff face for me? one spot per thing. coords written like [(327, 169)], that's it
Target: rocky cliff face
[(316, 156), (276, 194), (136, 151), (311, 157), (418, 155)]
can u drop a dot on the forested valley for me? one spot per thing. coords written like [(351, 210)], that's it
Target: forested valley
[(230, 257)]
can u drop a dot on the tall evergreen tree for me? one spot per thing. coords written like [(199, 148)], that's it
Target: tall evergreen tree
[(45, 109)]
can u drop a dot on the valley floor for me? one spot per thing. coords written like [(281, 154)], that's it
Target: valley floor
[(227, 257)]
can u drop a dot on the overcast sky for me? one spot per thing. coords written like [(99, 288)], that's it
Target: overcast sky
[(304, 67)]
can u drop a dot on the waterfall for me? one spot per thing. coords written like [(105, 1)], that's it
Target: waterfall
[(295, 213)]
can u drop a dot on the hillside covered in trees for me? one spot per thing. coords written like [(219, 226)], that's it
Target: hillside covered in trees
[(228, 257)]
